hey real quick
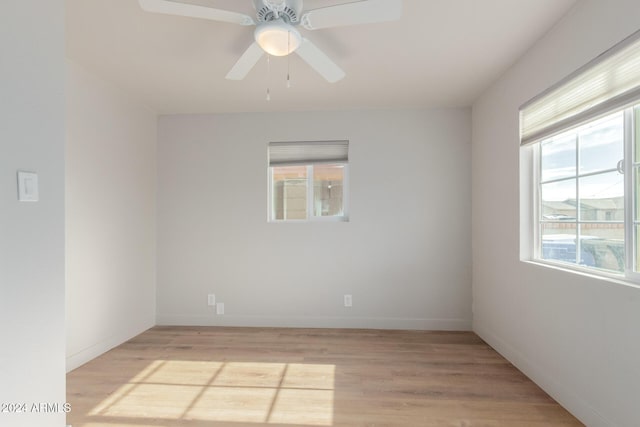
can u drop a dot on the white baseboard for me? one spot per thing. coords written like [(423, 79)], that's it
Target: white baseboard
[(85, 355), (568, 399), (316, 322), (80, 358)]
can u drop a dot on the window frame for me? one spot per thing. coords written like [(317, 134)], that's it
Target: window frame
[(310, 195), (607, 84), (630, 167), (632, 269)]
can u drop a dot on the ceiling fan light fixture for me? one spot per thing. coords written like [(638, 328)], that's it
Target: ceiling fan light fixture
[(277, 37)]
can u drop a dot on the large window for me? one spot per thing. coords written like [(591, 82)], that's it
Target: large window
[(582, 195), (582, 138), (308, 181)]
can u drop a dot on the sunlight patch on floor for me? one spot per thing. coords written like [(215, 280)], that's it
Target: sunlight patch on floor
[(282, 393), (109, 424)]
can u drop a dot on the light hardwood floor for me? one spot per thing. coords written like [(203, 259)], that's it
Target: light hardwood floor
[(208, 376)]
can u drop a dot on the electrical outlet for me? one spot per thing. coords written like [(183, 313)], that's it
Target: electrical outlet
[(211, 300), (220, 308), (348, 300)]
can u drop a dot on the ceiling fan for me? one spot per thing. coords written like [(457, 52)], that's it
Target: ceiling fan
[(276, 32)]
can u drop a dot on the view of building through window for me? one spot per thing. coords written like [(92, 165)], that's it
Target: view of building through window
[(289, 192), (327, 190), (582, 194), (295, 187)]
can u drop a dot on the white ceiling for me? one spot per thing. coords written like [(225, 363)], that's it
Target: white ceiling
[(441, 53)]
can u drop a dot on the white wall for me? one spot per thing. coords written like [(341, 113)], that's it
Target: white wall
[(576, 336), (32, 234), (404, 255), (110, 215)]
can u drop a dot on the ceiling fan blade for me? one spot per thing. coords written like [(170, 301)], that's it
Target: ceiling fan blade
[(194, 11), (246, 62), (359, 12), (319, 61)]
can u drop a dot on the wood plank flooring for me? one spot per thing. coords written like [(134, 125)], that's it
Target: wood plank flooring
[(237, 377)]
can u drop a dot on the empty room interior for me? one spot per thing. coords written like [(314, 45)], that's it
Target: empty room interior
[(320, 213)]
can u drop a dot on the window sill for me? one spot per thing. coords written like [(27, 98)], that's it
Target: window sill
[(309, 221), (608, 277)]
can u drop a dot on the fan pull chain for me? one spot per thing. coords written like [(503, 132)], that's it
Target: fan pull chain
[(288, 59), (268, 77)]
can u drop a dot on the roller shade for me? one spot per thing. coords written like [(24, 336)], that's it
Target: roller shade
[(297, 153), (610, 81)]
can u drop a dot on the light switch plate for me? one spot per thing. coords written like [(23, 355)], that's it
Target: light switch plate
[(348, 300), (27, 186)]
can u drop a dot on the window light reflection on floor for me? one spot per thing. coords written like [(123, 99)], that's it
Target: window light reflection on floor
[(266, 393)]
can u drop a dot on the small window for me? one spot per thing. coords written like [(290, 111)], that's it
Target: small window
[(308, 181)]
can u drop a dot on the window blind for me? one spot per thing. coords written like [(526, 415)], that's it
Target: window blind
[(297, 153), (612, 80)]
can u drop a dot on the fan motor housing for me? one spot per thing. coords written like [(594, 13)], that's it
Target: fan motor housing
[(288, 10)]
